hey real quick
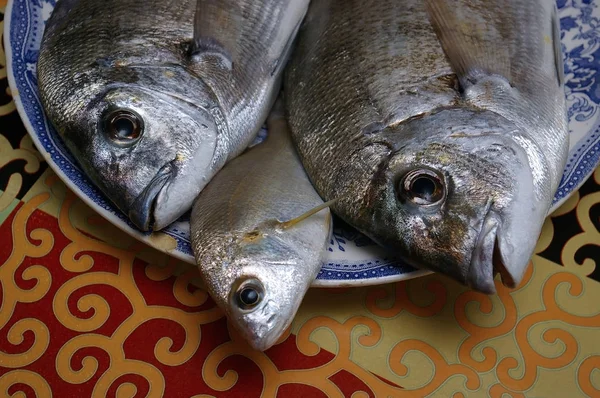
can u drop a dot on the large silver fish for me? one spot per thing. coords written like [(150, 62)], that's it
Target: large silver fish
[(153, 97), (256, 253), (445, 147)]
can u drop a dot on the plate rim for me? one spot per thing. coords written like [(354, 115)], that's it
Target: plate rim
[(116, 221), (146, 238), (16, 97)]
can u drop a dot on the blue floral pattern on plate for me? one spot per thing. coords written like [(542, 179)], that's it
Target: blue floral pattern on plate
[(351, 258)]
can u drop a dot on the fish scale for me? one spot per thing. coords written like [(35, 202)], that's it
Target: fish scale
[(127, 81), (239, 236), (394, 108)]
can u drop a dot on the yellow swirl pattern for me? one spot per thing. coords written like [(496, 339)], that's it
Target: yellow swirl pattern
[(429, 335), (84, 309), (125, 283), (589, 236), (30, 379)]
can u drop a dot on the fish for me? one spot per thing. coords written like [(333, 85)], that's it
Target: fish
[(152, 98), (441, 126), (259, 231)]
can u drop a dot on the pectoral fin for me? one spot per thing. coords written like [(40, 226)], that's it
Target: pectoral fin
[(558, 56), (281, 61), (473, 44), (311, 212), (216, 31), (511, 44)]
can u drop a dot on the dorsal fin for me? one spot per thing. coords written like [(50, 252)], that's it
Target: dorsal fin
[(216, 30), (468, 42), (513, 39)]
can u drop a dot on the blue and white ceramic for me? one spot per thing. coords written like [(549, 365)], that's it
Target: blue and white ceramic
[(351, 258)]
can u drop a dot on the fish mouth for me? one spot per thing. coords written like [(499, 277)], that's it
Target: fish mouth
[(263, 344), (262, 332), (142, 209), (486, 260), (266, 340)]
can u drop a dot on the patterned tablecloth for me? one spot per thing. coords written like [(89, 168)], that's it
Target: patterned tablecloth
[(85, 310)]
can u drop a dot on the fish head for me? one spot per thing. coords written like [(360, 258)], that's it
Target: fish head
[(147, 147), (262, 286), (463, 195)]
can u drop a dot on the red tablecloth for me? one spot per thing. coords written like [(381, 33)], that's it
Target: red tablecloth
[(87, 311)]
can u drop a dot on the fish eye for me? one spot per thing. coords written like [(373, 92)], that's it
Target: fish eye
[(249, 294), (124, 127), (423, 187)]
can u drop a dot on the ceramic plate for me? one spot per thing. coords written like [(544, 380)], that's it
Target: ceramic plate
[(351, 258)]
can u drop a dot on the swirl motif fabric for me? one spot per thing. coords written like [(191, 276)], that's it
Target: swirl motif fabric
[(86, 311)]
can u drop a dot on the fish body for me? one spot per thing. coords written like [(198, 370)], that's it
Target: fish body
[(244, 243), (153, 97), (440, 126)]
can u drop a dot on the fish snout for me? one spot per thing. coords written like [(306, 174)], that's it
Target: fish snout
[(263, 342), (142, 209), (262, 328), (500, 250)]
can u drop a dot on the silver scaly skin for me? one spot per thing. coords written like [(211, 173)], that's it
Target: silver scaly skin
[(440, 125), (255, 268), (154, 97)]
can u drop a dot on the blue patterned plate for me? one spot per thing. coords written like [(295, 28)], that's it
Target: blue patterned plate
[(351, 258)]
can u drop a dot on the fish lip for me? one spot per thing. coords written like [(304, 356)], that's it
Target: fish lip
[(262, 344), (269, 339), (142, 208), (267, 335), (480, 275), (508, 279), (486, 260)]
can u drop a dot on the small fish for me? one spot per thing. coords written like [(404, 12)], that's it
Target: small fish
[(256, 256), (440, 125), (153, 97)]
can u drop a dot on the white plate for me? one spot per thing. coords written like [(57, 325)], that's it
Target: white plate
[(351, 258)]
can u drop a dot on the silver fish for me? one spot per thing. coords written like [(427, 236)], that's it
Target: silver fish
[(154, 97), (440, 125), (256, 256)]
